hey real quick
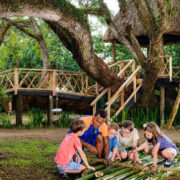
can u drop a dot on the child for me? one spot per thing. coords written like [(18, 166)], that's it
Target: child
[(127, 141), (68, 149), (161, 144), (113, 144)]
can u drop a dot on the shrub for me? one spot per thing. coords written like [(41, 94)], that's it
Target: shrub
[(35, 118), (5, 121), (64, 120)]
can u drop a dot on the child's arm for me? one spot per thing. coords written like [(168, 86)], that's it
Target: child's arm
[(134, 144), (91, 148), (83, 157), (118, 155), (141, 147), (115, 150), (155, 154)]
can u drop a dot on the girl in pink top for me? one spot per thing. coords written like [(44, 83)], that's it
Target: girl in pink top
[(69, 148)]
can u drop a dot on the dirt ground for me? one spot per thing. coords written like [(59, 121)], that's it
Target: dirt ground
[(57, 134)]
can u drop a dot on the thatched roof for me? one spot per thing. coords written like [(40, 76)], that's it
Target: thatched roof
[(172, 36)]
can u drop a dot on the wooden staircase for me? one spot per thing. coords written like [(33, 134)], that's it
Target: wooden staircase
[(117, 100)]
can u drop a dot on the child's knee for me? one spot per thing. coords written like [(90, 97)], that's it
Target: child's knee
[(82, 168), (123, 155)]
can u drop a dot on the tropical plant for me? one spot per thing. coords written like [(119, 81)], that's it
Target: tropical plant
[(5, 121), (35, 118), (64, 120)]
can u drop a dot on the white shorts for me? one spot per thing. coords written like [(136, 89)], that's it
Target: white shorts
[(172, 151)]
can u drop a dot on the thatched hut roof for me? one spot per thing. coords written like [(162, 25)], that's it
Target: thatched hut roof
[(172, 35)]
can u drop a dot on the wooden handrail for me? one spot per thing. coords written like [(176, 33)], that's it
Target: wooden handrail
[(124, 68), (129, 98), (117, 93), (99, 96), (118, 62)]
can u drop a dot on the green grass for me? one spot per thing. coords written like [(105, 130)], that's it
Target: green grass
[(30, 159)]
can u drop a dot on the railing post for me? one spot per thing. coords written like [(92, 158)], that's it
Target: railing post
[(97, 88), (86, 84), (82, 84), (94, 109), (16, 81), (170, 68), (54, 83), (109, 107), (134, 79)]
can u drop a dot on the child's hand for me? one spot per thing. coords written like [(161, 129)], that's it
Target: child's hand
[(154, 165), (118, 157), (92, 150), (112, 159), (91, 168)]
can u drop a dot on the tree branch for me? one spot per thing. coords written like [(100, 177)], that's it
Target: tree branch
[(4, 32), (137, 48), (21, 28), (144, 15), (120, 36), (92, 11)]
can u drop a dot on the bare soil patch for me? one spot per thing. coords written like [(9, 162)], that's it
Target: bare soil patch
[(57, 134)]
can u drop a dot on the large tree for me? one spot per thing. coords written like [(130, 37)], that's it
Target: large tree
[(71, 26)]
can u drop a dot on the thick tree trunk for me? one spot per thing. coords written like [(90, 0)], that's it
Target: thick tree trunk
[(151, 71)]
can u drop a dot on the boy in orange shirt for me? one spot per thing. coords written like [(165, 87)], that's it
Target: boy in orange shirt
[(69, 147)]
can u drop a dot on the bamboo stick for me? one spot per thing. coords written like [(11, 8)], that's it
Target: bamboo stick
[(125, 175), (111, 176), (88, 171), (136, 166)]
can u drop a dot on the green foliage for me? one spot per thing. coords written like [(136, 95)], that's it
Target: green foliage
[(64, 120), (5, 121), (35, 118), (4, 99), (138, 116), (69, 10)]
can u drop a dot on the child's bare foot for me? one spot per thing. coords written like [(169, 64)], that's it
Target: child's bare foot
[(138, 161)]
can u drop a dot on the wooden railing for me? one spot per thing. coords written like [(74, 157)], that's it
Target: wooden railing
[(50, 80), (167, 69), (125, 70)]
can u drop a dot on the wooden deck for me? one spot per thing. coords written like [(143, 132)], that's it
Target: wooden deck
[(78, 85)]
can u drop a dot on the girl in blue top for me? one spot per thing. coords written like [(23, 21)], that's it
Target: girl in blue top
[(161, 144)]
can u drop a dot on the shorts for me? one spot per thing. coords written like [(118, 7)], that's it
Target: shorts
[(172, 150), (72, 166), (122, 148)]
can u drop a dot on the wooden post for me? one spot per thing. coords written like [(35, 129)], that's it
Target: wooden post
[(97, 89), (19, 109), (134, 79), (109, 107), (162, 104), (86, 83), (9, 107), (54, 83), (94, 109), (16, 81), (170, 68), (49, 113), (114, 56), (122, 97)]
